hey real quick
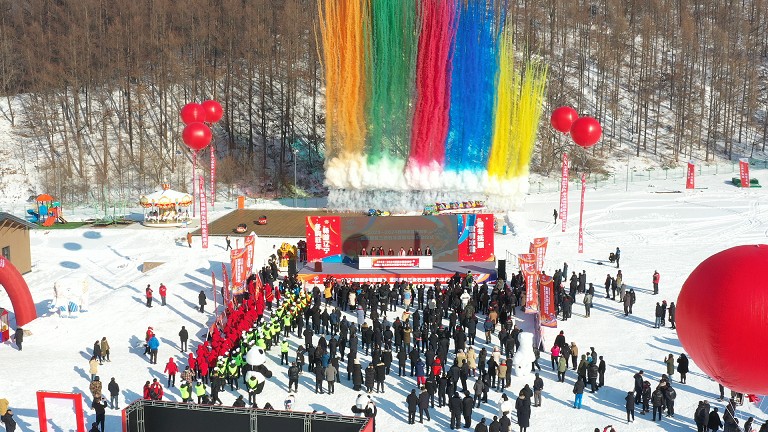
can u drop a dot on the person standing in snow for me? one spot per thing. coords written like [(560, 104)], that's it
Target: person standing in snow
[(656, 278), (104, 345), (148, 293), (114, 393), (97, 352), (617, 255), (672, 309), (163, 291), (93, 367), (154, 345), (229, 243), (171, 368), (201, 300), (100, 407), (183, 338), (189, 239), (630, 406), (8, 421)]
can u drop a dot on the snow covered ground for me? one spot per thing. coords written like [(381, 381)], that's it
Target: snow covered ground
[(668, 232)]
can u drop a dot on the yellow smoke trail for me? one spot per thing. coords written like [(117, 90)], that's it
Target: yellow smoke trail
[(505, 109), (526, 120)]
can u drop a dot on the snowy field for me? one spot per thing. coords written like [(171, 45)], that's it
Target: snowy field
[(655, 229)]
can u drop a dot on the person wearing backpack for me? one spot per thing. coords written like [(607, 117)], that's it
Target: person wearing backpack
[(669, 397)]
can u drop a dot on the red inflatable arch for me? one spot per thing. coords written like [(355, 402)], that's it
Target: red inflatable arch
[(18, 291)]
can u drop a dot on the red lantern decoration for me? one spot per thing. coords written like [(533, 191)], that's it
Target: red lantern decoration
[(213, 111), (197, 136), (586, 132), (562, 118), (192, 112), (721, 319)]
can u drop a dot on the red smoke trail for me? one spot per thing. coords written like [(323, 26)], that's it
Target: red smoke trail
[(433, 83)]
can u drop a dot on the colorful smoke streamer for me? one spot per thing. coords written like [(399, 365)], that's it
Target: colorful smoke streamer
[(425, 102)]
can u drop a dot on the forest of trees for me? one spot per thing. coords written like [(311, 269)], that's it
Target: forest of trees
[(94, 87)]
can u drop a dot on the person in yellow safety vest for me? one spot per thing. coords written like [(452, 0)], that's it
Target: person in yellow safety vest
[(233, 372), (286, 324), (268, 337), (252, 384), (284, 352), (186, 395), (200, 391), (261, 344), (276, 330)]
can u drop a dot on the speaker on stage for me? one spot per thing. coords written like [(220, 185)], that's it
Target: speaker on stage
[(502, 272), (318, 266)]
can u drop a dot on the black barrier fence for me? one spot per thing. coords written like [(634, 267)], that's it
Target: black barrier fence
[(159, 416)]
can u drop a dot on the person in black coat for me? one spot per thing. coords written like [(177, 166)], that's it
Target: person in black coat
[(319, 371), (713, 422), (370, 377), (442, 388), (682, 367), (657, 400), (201, 300), (481, 427), (100, 407), (506, 423), (601, 373), (183, 337), (402, 356), (413, 402), (701, 416), (523, 409), (630, 406), (638, 386), (8, 421), (19, 337), (455, 407), (466, 407), (424, 401)]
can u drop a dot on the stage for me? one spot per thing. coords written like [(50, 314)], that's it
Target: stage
[(483, 271)]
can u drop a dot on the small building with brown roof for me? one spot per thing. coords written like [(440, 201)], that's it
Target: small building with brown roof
[(14, 241)]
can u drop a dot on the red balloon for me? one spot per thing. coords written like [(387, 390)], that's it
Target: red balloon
[(721, 319), (197, 136), (213, 111), (586, 132), (192, 112), (562, 118)]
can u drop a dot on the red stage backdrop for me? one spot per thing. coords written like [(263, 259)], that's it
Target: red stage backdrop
[(548, 313), (689, 179), (744, 172), (528, 267), (475, 239), (323, 237), (564, 190)]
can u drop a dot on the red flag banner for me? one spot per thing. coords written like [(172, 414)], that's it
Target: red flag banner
[(213, 287), (250, 241), (237, 257), (323, 237), (213, 176), (194, 182), (689, 179), (744, 172), (564, 191), (225, 282), (539, 247), (528, 267), (581, 213), (548, 313), (203, 213)]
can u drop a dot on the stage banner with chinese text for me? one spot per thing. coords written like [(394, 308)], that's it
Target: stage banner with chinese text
[(237, 257), (203, 213), (744, 172), (548, 313), (540, 249), (690, 178), (564, 191), (323, 237), (250, 241), (476, 237), (527, 264)]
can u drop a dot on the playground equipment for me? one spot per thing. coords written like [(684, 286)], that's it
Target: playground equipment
[(48, 211), (165, 208)]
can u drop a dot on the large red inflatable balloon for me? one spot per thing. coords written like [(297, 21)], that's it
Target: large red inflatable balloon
[(196, 136), (562, 118), (586, 132), (192, 113), (721, 318), (213, 111)]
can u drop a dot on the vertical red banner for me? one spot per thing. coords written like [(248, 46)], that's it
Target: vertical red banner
[(213, 176), (744, 172), (527, 266), (539, 247), (225, 282), (203, 213), (213, 287), (548, 313), (194, 182), (581, 213), (690, 178), (323, 237), (564, 191), (250, 241), (237, 257)]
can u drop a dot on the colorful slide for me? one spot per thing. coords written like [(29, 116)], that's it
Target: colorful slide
[(49, 221)]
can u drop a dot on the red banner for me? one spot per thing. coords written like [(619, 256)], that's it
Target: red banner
[(194, 176), (213, 176), (689, 179), (539, 247), (581, 213), (250, 241), (237, 257), (528, 267), (213, 287), (323, 237), (744, 172), (203, 213), (564, 191), (225, 282), (475, 237), (548, 313)]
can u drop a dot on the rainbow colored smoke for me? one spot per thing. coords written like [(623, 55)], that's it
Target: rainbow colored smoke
[(424, 103)]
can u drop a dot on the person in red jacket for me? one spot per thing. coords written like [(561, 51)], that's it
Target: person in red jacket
[(437, 367), (149, 295), (171, 368), (163, 290), (155, 390), (145, 394), (203, 366), (656, 277), (148, 336)]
